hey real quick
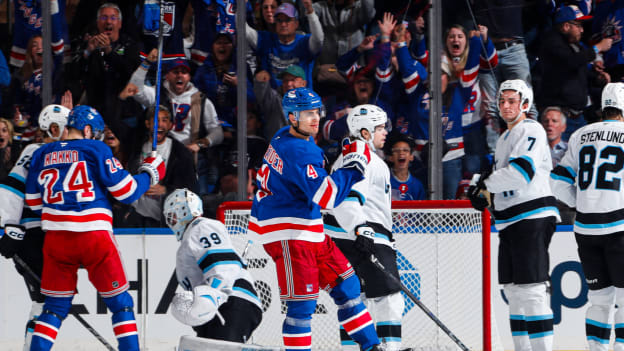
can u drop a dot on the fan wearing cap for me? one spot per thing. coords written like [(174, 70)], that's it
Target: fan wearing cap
[(278, 50), (566, 76), (195, 121)]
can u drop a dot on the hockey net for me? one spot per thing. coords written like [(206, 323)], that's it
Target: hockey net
[(443, 258)]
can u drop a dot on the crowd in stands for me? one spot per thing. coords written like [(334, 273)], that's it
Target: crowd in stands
[(349, 51)]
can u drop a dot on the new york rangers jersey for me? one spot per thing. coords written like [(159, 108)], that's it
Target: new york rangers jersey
[(411, 189), (519, 181), (368, 201), (68, 182), (293, 188), (589, 178), (206, 256)]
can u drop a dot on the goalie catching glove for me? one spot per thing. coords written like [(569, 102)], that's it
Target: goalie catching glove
[(477, 192), (155, 167), (356, 154), (365, 239), (11, 240), (199, 306)]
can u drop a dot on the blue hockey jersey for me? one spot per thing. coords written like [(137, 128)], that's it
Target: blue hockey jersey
[(293, 188), (68, 182)]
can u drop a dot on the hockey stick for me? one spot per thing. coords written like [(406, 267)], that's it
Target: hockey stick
[(158, 77), (419, 303), (84, 323)]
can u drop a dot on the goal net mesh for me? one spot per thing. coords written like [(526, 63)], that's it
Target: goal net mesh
[(439, 254)]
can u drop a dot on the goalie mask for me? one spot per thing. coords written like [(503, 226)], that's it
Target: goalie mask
[(613, 96), (181, 206), (53, 114), (82, 116), (526, 95), (366, 117)]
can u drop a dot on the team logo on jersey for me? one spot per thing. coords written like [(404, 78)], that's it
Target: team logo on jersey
[(311, 172), (181, 113), (403, 188), (309, 287)]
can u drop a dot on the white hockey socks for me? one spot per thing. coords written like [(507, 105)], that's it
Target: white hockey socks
[(597, 326)]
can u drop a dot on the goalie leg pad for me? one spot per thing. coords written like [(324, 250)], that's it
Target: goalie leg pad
[(35, 312), (539, 316), (597, 326), (297, 327), (49, 322), (387, 311), (619, 320), (352, 314), (124, 324)]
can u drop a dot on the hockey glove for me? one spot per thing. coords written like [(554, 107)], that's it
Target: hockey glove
[(199, 306), (477, 192), (155, 167), (356, 154), (11, 240), (365, 240)]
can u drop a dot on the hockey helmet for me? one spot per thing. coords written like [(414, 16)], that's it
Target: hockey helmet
[(301, 99), (181, 206), (613, 96), (53, 114), (82, 116), (519, 86)]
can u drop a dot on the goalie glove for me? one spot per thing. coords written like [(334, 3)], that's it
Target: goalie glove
[(155, 167), (365, 239), (355, 154), (477, 193), (11, 240), (199, 306)]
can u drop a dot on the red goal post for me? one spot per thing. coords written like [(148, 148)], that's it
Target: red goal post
[(443, 254)]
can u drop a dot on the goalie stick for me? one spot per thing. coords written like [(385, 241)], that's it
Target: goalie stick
[(82, 321), (422, 306)]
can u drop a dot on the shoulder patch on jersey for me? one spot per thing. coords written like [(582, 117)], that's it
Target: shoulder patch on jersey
[(311, 172)]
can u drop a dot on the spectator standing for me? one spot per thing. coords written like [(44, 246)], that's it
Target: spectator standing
[(400, 154), (104, 62), (266, 19), (579, 182), (276, 51), (343, 23), (9, 152), (195, 121), (564, 59), (554, 122)]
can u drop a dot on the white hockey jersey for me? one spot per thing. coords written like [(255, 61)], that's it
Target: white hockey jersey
[(589, 177), (206, 256), (369, 201), (13, 187), (520, 180)]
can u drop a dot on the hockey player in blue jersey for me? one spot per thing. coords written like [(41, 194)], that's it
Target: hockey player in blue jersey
[(214, 276), (525, 212), (67, 184), (293, 187), (22, 227)]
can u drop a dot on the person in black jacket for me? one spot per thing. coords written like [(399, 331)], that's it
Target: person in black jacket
[(104, 61), (564, 59)]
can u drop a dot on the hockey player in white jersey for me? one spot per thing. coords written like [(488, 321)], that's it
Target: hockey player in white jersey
[(361, 226), (219, 300), (525, 213), (589, 178), (23, 235)]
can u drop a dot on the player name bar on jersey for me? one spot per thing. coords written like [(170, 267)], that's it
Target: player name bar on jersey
[(603, 135), (274, 160), (57, 157)]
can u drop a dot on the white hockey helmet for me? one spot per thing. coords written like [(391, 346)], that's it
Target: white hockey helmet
[(526, 94), (613, 96), (181, 206), (53, 114), (367, 117)]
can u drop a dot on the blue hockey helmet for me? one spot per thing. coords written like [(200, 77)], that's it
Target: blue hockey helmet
[(301, 99), (82, 116)]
